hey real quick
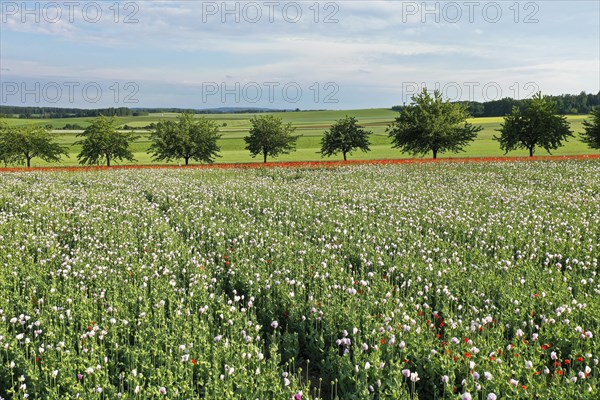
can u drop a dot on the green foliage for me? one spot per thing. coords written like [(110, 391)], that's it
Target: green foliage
[(345, 136), (269, 136), (188, 138), (432, 124), (4, 150), (591, 134), (537, 125), (21, 145), (103, 141)]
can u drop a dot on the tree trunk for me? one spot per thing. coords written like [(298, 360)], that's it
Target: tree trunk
[(108, 160), (435, 153), (265, 157), (531, 151), (28, 162), (345, 156), (187, 161)]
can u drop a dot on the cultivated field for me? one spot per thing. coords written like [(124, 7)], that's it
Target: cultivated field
[(310, 125), (424, 281)]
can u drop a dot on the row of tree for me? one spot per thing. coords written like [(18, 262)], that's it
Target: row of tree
[(432, 124), (429, 124)]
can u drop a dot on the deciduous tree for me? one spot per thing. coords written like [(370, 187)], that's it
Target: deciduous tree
[(188, 138), (344, 137), (269, 136), (432, 124), (591, 134), (22, 144), (102, 140), (536, 125)]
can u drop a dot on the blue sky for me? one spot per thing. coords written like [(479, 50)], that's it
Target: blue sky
[(303, 54)]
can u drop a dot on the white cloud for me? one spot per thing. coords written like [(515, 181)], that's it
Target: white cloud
[(374, 45)]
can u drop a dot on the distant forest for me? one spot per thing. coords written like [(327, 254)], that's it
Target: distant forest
[(57, 112), (581, 103)]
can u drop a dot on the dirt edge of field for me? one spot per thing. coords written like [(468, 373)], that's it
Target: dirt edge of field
[(304, 164)]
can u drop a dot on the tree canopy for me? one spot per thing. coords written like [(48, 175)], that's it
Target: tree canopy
[(269, 136), (432, 124), (537, 125), (20, 145), (186, 139), (102, 140), (344, 137)]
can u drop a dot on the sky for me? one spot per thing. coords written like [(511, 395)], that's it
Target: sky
[(288, 55)]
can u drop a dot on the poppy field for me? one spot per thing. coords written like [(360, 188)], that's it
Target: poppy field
[(446, 280)]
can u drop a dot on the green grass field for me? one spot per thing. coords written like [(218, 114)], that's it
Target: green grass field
[(310, 125)]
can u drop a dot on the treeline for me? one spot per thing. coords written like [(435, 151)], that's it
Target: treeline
[(55, 112), (222, 110), (582, 103)]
